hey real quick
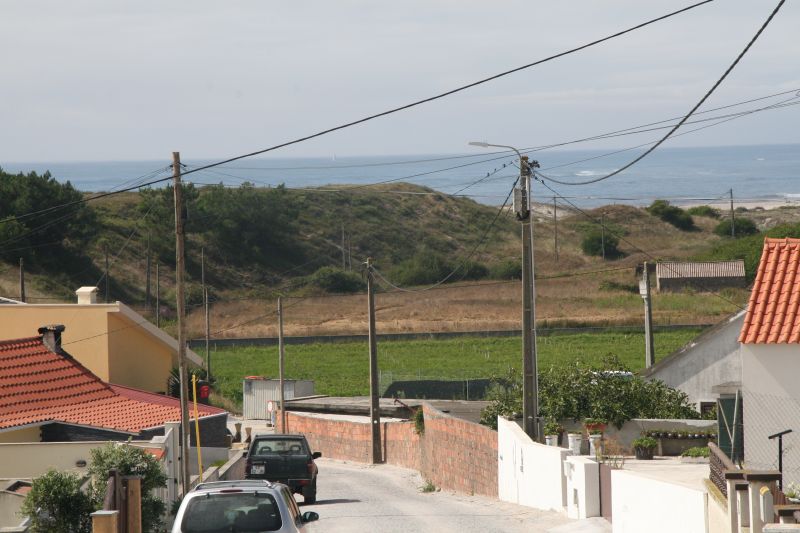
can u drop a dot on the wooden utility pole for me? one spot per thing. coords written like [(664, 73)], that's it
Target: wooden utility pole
[(344, 254), (205, 307), (374, 404), (181, 309), (281, 359), (21, 280), (644, 291), (158, 298), (555, 227), (603, 234), (733, 226), (106, 276), (147, 277)]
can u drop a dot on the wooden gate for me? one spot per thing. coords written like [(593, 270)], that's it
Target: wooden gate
[(605, 491)]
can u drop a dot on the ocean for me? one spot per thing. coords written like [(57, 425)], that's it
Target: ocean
[(762, 173)]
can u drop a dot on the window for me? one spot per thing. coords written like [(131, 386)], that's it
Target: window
[(273, 446), (237, 511)]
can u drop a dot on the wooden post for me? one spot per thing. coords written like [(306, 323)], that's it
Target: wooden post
[(133, 502), (147, 277), (105, 522), (158, 298), (21, 280), (107, 279), (205, 306), (555, 227), (374, 393), (281, 357)]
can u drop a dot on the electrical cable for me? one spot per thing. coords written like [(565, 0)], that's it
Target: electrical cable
[(701, 102)]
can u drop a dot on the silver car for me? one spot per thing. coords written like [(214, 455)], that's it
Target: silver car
[(242, 506)]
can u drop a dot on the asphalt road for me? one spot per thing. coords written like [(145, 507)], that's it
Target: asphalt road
[(353, 497)]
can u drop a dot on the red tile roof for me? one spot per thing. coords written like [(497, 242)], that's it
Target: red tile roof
[(37, 385), (773, 312)]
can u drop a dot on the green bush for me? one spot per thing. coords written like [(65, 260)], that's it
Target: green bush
[(594, 242), (471, 270), (56, 504), (742, 227), (424, 268), (703, 211), (645, 442), (511, 269), (672, 215), (131, 461), (505, 398), (696, 451), (336, 280)]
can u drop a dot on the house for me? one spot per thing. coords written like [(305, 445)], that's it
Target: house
[(770, 339), (113, 341), (46, 395), (705, 363), (704, 275)]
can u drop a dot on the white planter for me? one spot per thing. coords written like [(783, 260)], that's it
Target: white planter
[(595, 444), (575, 440), (551, 440)]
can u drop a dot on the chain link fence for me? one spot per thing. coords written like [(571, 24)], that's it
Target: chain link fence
[(766, 415)]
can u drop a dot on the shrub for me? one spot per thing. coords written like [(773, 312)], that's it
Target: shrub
[(645, 443), (131, 461), (742, 227), (511, 269), (505, 398), (419, 421), (471, 270), (424, 268), (703, 211), (672, 215), (696, 451), (56, 504), (332, 279), (594, 242)]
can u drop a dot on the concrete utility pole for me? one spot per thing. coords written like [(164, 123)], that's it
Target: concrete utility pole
[(106, 276), (344, 252), (158, 298), (281, 360), (181, 308), (205, 307), (147, 276), (733, 226), (603, 234), (555, 227), (644, 291), (374, 404), (21, 280), (530, 379)]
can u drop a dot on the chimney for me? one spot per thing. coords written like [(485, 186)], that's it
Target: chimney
[(87, 295), (51, 337)]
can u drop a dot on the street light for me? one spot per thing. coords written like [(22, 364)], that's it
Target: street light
[(530, 380)]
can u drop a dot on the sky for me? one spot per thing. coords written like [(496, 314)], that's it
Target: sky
[(99, 80)]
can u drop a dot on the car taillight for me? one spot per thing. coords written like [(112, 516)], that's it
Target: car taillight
[(310, 467)]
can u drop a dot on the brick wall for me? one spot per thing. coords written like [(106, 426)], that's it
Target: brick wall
[(453, 453)]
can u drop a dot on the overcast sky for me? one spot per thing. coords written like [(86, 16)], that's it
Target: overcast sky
[(101, 80)]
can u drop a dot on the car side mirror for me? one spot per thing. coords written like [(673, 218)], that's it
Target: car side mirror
[(309, 516), (316, 455)]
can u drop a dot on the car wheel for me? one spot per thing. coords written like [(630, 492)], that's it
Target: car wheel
[(310, 493)]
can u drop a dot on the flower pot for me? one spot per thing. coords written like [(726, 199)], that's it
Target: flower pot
[(575, 440), (595, 444), (551, 440), (643, 453)]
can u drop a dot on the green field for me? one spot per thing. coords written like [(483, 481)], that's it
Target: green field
[(342, 369)]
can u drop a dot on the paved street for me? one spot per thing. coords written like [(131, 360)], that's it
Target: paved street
[(355, 497)]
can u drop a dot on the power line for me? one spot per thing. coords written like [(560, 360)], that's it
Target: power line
[(701, 102)]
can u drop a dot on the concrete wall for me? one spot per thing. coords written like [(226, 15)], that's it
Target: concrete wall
[(644, 504), (452, 453), (770, 404), (137, 359), (27, 434), (10, 505), (32, 459), (711, 359), (632, 429), (529, 473)]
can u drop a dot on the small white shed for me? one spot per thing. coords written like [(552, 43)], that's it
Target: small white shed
[(258, 391)]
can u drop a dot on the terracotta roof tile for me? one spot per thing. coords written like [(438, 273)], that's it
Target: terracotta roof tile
[(37, 385), (773, 312)]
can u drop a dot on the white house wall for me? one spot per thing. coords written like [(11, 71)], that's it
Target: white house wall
[(771, 403)]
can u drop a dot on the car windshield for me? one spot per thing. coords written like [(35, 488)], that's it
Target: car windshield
[(268, 447), (231, 512)]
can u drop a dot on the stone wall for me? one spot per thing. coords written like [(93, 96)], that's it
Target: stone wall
[(452, 453)]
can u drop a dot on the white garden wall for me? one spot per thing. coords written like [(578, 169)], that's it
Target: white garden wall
[(529, 473), (644, 504)]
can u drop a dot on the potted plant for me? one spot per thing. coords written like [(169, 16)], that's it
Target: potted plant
[(575, 440), (552, 431), (643, 447), (594, 425)]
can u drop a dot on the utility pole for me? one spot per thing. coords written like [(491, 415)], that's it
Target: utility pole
[(147, 277), (158, 297), (733, 226), (21, 280), (344, 253), (530, 385), (644, 291), (180, 306), (555, 227), (106, 276), (374, 404), (205, 307), (603, 233), (281, 359)]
